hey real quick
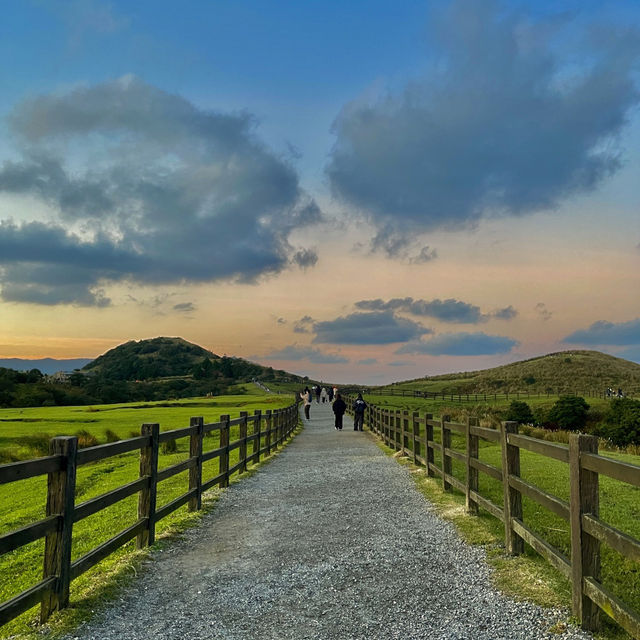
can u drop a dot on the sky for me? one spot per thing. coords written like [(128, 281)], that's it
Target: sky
[(359, 192)]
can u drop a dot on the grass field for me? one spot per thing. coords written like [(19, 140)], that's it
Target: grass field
[(22, 434), (619, 502)]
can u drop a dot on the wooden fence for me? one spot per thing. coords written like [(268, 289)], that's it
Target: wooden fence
[(479, 397), (269, 430), (415, 437)]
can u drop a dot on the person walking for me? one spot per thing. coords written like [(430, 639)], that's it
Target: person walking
[(324, 395), (358, 413), (339, 407), (306, 398), (317, 388), (330, 394)]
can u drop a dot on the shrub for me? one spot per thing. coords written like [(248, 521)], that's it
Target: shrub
[(569, 413), (86, 439), (111, 436), (622, 422), (170, 446), (520, 412)]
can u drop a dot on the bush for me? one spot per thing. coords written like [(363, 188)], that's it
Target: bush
[(111, 436), (170, 446), (622, 422), (86, 439), (569, 413), (520, 412)]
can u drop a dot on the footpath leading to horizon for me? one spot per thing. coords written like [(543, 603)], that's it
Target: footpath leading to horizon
[(330, 540)]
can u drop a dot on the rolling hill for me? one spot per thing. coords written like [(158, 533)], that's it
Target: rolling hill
[(562, 372)]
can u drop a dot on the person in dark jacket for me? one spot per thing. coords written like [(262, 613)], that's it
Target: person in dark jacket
[(358, 413), (339, 407)]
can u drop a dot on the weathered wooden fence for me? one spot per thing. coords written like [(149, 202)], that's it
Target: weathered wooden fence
[(415, 437), (263, 432), (480, 397)]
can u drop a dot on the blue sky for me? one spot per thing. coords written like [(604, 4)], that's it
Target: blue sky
[(455, 182)]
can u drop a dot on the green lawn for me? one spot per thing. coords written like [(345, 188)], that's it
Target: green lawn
[(24, 502)]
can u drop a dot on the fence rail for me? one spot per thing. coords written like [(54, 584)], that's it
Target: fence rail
[(414, 436), (269, 430), (476, 397)]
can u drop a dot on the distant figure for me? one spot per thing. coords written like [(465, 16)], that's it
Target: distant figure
[(358, 413), (335, 392), (339, 407), (330, 394), (306, 398), (317, 388), (324, 395)]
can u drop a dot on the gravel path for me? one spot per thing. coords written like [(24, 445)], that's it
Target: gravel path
[(330, 541)]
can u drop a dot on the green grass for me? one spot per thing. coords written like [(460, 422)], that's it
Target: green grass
[(22, 432), (619, 507)]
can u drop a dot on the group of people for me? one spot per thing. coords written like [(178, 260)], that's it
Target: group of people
[(339, 405)]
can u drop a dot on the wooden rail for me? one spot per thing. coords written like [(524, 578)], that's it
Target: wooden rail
[(414, 436), (261, 432), (477, 397)]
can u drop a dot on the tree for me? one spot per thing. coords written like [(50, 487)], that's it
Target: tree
[(569, 412), (622, 422), (520, 412)]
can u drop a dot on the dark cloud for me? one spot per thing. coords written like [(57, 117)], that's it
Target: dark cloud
[(303, 325), (607, 333), (449, 310), (504, 121), (368, 328), (543, 312), (164, 192), (460, 344), (296, 353), (184, 307), (305, 258)]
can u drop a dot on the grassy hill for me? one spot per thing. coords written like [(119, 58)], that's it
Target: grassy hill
[(148, 359), (563, 372)]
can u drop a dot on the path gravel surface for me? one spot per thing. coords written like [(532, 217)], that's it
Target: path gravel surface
[(331, 540)]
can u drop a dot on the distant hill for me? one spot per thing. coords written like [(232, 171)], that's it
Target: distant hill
[(44, 365), (149, 359), (565, 371)]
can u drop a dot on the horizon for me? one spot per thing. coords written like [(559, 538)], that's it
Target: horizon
[(365, 192)]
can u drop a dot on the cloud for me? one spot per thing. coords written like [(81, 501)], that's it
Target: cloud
[(157, 190), (366, 361), (296, 353), (543, 312), (184, 307), (450, 310), (460, 344), (607, 333), (368, 328), (400, 363), (503, 121), (303, 325)]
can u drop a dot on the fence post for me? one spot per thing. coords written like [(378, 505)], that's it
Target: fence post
[(257, 431), (415, 429), (585, 549), (223, 469), (472, 472), (277, 427), (147, 497), (397, 430), (446, 459), (428, 449), (268, 418), (404, 428), (61, 490), (514, 544), (195, 473), (243, 441)]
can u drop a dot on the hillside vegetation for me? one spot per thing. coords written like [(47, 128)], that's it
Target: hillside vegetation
[(557, 373), (146, 370)]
